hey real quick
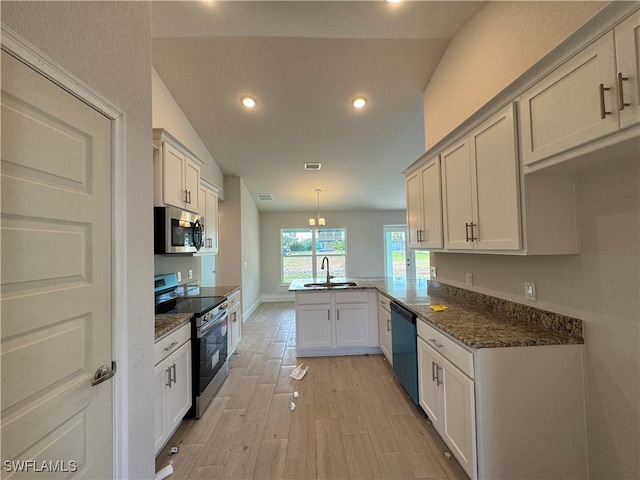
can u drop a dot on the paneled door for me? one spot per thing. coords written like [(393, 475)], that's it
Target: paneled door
[(56, 277)]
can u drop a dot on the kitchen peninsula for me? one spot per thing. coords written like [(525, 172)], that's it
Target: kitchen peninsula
[(488, 370)]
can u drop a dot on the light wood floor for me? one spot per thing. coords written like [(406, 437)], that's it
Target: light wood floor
[(352, 419)]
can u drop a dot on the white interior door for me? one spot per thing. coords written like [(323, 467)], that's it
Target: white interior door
[(56, 280)]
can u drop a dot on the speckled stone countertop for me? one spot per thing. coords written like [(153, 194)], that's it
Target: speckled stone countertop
[(475, 319), (168, 322)]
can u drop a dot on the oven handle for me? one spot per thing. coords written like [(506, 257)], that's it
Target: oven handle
[(203, 329)]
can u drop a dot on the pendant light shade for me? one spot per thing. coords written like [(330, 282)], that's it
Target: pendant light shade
[(319, 221)]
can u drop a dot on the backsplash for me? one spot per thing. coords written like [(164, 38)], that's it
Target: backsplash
[(554, 321)]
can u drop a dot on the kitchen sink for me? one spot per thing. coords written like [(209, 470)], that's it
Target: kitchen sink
[(331, 284)]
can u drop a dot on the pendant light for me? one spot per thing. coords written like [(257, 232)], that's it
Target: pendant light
[(318, 220)]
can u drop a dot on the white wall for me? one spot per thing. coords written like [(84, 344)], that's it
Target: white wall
[(496, 46), (167, 114), (239, 243), (108, 46), (600, 285), (365, 243)]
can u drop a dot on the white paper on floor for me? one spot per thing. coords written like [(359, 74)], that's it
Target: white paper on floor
[(298, 373)]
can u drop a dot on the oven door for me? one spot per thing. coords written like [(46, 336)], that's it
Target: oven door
[(212, 350)]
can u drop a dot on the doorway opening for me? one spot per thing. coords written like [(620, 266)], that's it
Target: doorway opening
[(401, 262)]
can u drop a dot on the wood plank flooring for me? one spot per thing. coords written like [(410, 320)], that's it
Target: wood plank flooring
[(352, 420)]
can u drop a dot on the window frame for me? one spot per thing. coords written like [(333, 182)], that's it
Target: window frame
[(316, 256)]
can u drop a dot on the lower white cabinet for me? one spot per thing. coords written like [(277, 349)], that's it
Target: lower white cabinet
[(384, 327), (172, 383), (447, 396), (234, 321), (336, 323), (505, 412)]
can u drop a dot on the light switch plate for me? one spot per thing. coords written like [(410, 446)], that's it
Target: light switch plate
[(433, 272), (530, 291), (469, 279), (179, 275)]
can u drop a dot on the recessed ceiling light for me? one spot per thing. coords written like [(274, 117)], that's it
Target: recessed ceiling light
[(249, 102), (359, 102)]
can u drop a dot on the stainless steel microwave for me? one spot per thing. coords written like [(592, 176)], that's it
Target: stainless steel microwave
[(177, 231)]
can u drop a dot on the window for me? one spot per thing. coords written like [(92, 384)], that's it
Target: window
[(304, 248)]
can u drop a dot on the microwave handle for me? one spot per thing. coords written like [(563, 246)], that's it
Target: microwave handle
[(197, 234)]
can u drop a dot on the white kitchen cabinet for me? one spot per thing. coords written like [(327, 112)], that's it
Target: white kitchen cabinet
[(234, 321), (176, 173), (384, 326), (208, 199), (480, 187), (424, 206), (172, 383), (505, 412), (627, 36), (594, 95), (336, 323), (447, 394)]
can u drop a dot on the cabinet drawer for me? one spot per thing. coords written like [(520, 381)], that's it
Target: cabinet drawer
[(384, 302), (313, 298), (166, 346), (352, 297), (453, 351), (233, 299)]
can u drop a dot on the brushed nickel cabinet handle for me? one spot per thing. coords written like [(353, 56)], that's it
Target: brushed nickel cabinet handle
[(621, 102), (603, 108)]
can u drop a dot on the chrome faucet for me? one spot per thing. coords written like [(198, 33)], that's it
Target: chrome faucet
[(329, 277)]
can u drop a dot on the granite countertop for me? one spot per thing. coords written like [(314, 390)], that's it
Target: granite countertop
[(168, 322), (474, 319)]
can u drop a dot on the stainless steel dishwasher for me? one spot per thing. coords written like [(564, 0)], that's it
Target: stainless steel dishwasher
[(404, 348)]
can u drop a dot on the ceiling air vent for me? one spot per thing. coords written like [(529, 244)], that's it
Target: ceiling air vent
[(312, 166), (263, 197)]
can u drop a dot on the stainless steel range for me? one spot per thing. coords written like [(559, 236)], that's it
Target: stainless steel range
[(209, 360)]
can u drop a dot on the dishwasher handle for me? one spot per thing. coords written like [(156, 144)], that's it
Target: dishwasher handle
[(403, 312)]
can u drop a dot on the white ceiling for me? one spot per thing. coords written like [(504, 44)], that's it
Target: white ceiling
[(304, 61)]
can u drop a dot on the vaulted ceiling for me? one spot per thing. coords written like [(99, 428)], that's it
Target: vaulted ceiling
[(304, 61)]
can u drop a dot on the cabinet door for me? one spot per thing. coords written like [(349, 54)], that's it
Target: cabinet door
[(414, 210), (429, 392), (314, 326), (384, 333), (161, 374), (564, 109), (627, 36), (456, 195), (179, 394), (458, 417), (211, 221), (192, 186), (173, 161), (431, 205), (496, 186), (234, 328), (352, 325)]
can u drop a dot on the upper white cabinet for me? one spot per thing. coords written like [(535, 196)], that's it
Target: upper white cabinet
[(424, 209), (627, 36), (591, 96), (208, 201), (176, 173), (480, 187)]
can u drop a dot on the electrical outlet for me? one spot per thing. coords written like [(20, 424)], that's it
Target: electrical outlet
[(190, 274), (179, 275), (433, 272), (469, 279), (530, 290)]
